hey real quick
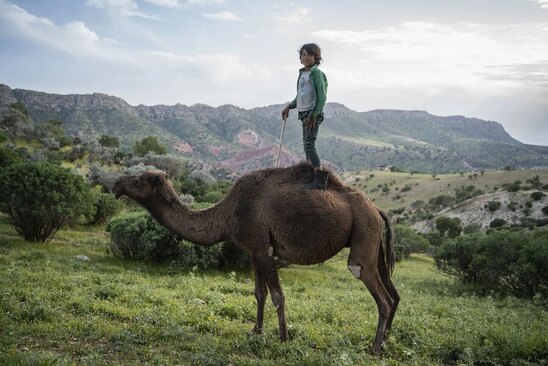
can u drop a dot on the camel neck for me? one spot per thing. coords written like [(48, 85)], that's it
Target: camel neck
[(203, 227)]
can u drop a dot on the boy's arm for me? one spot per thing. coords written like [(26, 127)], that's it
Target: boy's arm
[(292, 104), (320, 86)]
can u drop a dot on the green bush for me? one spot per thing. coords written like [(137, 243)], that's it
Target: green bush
[(449, 227), (39, 198), (409, 241), (492, 205), (471, 228), (498, 222), (505, 261), (8, 157), (138, 236), (545, 210), (537, 196), (105, 207)]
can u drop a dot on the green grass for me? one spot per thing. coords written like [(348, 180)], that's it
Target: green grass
[(55, 309)]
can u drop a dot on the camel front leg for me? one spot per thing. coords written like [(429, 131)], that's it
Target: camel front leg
[(260, 294), (266, 266)]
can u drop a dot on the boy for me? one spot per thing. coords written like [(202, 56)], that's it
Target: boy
[(310, 100)]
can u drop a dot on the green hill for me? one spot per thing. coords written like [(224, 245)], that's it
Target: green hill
[(349, 140)]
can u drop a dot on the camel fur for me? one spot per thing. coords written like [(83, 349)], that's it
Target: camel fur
[(268, 213)]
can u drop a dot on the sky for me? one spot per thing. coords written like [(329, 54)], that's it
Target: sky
[(486, 59)]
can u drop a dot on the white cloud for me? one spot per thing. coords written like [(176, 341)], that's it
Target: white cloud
[(77, 40), (225, 16), (466, 55), (299, 14), (126, 8), (543, 3), (179, 3)]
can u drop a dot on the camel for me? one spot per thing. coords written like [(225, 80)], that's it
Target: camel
[(268, 213)]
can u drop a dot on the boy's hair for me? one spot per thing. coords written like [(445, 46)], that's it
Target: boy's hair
[(312, 49)]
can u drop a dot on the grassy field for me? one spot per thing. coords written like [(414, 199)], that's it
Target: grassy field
[(56, 309), (426, 186)]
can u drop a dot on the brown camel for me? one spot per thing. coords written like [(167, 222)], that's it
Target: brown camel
[(268, 213)]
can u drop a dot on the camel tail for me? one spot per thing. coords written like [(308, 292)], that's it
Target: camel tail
[(388, 244)]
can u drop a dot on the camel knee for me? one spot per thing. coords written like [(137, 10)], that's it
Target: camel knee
[(260, 295), (355, 269), (278, 300)]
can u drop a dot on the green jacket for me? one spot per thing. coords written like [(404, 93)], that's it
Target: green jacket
[(319, 80)]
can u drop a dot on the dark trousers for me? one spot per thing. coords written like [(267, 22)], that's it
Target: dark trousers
[(309, 138)]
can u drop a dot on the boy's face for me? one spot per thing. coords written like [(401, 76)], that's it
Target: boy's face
[(307, 59)]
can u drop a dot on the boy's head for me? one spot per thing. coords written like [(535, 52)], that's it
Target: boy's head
[(312, 49)]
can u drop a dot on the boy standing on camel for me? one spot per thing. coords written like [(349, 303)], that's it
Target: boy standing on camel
[(310, 100)]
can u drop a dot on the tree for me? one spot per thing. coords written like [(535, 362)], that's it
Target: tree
[(39, 198), (449, 227), (109, 141), (149, 144)]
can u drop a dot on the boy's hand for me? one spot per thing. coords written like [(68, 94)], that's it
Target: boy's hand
[(285, 113), (311, 123)]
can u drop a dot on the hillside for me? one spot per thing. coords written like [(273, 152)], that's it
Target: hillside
[(243, 140), (408, 195)]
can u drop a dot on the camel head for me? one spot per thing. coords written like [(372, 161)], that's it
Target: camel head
[(141, 188)]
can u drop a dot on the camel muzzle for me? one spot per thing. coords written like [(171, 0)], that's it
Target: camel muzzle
[(118, 190)]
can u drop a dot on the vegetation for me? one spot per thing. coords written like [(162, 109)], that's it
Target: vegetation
[(137, 236), (106, 206), (149, 145), (507, 261), (40, 198), (112, 311)]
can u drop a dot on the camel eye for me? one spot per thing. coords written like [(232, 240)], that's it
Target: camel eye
[(135, 183)]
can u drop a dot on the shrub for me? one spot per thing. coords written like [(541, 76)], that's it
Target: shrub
[(213, 197), (39, 198), (471, 228), (137, 236), (8, 157), (147, 145), (545, 210), (449, 227), (492, 205), (409, 241), (105, 207), (537, 196), (498, 222), (504, 261), (512, 206)]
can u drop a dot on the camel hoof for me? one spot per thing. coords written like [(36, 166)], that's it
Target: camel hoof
[(377, 350)]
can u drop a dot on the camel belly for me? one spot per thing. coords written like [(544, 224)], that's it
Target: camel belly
[(311, 228)]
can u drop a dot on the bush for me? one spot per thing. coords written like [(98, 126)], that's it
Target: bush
[(105, 207), (39, 198), (504, 261), (471, 228), (498, 222), (449, 227), (138, 236), (8, 157), (492, 205), (545, 210), (537, 196), (409, 241)]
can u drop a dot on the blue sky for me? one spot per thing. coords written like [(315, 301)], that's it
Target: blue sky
[(478, 58)]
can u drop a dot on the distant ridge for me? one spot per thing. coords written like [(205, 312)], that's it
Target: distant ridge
[(349, 140)]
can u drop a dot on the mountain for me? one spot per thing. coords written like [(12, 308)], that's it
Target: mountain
[(246, 139)]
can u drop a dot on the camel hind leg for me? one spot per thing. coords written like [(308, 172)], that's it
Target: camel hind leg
[(389, 285), (363, 263)]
